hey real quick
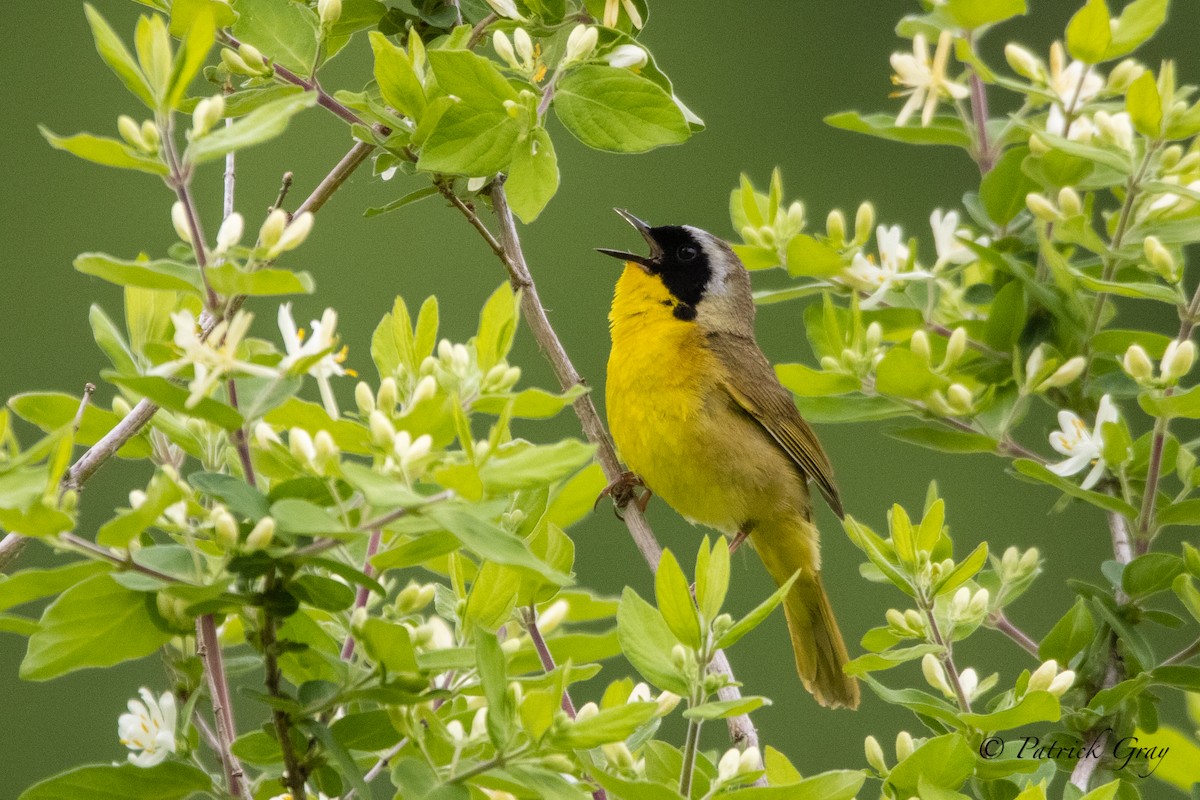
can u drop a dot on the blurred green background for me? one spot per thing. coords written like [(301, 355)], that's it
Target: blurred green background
[(762, 75)]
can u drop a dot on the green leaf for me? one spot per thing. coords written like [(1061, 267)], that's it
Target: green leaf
[(285, 32), (96, 623), (121, 530), (103, 150), (647, 642), (490, 541), (944, 761), (712, 576), (302, 518), (229, 279), (903, 373), (1033, 707), (53, 411), (880, 553), (1150, 573), (618, 110), (475, 80), (942, 130), (184, 12), (1038, 472), (810, 257), (1185, 404), (170, 780), (964, 571), (470, 141), (1185, 512), (398, 80), (1003, 189), (144, 274), (971, 14), (1145, 106), (842, 784), (109, 339), (388, 644), (497, 327), (876, 662), (28, 585), (169, 395), (808, 382), (532, 176), (757, 615), (351, 437), (721, 709), (114, 53), (1089, 32), (915, 700), (944, 439), (1138, 21), (408, 199), (534, 465), (260, 125), (675, 600), (490, 658), (610, 725), (195, 41)]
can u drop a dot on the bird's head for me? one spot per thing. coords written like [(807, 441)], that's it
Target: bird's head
[(704, 277)]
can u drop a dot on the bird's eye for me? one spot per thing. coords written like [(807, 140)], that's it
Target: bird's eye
[(686, 253)]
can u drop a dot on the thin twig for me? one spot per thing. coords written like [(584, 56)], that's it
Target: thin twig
[(979, 112), (208, 647), (294, 777), (241, 442), (123, 562), (392, 516), (947, 657), (379, 766), (1096, 738), (1184, 655), (10, 547), (89, 389), (360, 596), (480, 27), (1003, 624), (285, 186), (336, 177)]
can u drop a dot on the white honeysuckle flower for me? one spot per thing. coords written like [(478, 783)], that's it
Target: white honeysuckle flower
[(1171, 202), (612, 11), (212, 358), (878, 279), (1080, 447), (298, 347), (477, 183), (504, 48), (148, 729), (1074, 84), (935, 674), (727, 767), (388, 173), (969, 681), (1116, 128), (946, 233), (230, 233), (505, 8), (640, 693), (926, 80), (580, 43), (627, 56), (1081, 130)]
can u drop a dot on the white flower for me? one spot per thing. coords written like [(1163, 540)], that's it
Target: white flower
[(1116, 128), (321, 341), (148, 730), (969, 681), (580, 43), (864, 274), (612, 12), (1081, 129), (926, 79), (1074, 84), (1170, 201), (505, 8), (946, 242), (230, 233), (627, 56), (1080, 447), (210, 362)]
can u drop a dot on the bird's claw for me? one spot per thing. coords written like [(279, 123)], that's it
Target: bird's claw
[(623, 491)]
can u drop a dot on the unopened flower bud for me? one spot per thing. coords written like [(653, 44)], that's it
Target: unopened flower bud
[(1041, 208), (265, 435), (479, 723), (252, 57), (958, 603), (272, 228), (919, 344), (329, 11), (1124, 74), (230, 233), (874, 336), (505, 8), (293, 235), (1178, 359), (121, 407), (895, 618), (750, 760), (1061, 683), (960, 398), (1023, 62), (1042, 677), (426, 388), (1029, 560), (979, 603), (956, 345), (150, 135), (327, 452), (386, 399), (935, 674), (236, 64), (1170, 157), (1037, 145), (914, 621), (627, 56), (618, 755), (301, 445), (415, 451), (1069, 202), (225, 529), (174, 611), (727, 767), (179, 218), (261, 535), (586, 712), (835, 227), (208, 112), (680, 656), (364, 398), (904, 745), (454, 729), (1160, 258), (1066, 374), (1137, 363), (383, 433), (864, 223), (131, 132), (667, 701), (553, 616), (504, 49), (580, 43), (875, 755)]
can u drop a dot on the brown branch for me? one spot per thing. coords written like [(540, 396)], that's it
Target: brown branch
[(508, 249), (208, 647), (10, 548), (1003, 624), (363, 592), (294, 777), (979, 113)]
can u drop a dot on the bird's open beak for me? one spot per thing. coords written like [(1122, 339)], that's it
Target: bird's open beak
[(644, 229)]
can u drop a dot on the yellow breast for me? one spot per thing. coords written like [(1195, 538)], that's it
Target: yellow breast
[(660, 390)]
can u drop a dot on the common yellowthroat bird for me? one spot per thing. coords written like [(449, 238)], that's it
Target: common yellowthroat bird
[(698, 415)]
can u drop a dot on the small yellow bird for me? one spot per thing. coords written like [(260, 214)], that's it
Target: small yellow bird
[(701, 420)]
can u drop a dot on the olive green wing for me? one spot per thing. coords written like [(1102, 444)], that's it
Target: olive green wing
[(751, 382)]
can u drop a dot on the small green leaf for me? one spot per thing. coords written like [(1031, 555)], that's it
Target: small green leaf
[(964, 571), (712, 576), (609, 725), (943, 761), (53, 411), (1033, 707), (114, 53), (807, 256), (841, 784), (972, 14), (229, 279), (757, 615), (260, 125), (944, 439), (103, 150), (398, 81), (1145, 106), (144, 274), (1003, 189), (1038, 472), (169, 395), (1150, 573), (721, 709), (470, 141), (675, 600), (532, 176), (490, 658), (28, 585), (617, 110), (1089, 32), (647, 642), (96, 623), (1138, 21), (942, 130), (170, 780), (408, 199), (490, 541), (286, 33)]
